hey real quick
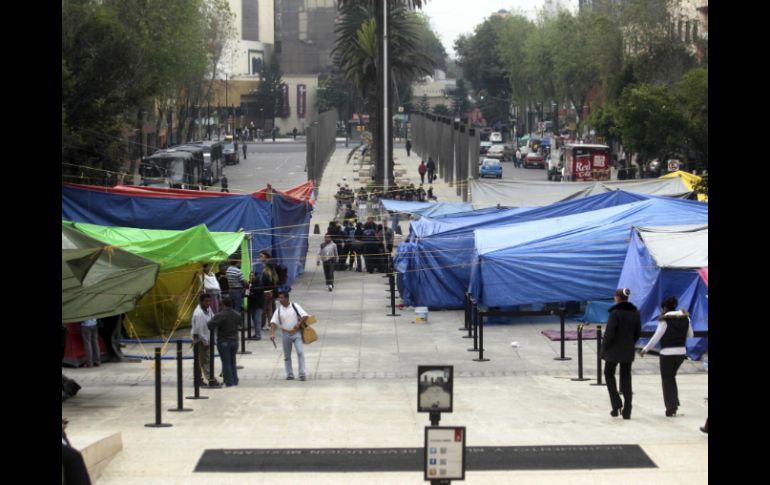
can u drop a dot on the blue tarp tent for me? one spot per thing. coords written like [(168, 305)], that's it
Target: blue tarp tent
[(578, 257), (664, 261), (220, 214), (430, 209), (436, 268)]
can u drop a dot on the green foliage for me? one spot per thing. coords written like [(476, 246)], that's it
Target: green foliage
[(649, 121), (424, 105), (269, 94), (480, 61), (692, 95), (442, 110), (459, 95), (430, 43), (118, 56)]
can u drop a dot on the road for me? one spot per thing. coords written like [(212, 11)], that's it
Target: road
[(280, 164)]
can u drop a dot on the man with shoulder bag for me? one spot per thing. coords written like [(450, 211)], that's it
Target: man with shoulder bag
[(291, 318)]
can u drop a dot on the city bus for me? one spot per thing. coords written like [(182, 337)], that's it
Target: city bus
[(180, 167)]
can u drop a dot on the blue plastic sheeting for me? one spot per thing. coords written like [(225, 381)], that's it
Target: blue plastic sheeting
[(427, 226), (650, 284), (290, 235), (430, 209), (578, 257), (219, 214), (437, 267), (597, 311)]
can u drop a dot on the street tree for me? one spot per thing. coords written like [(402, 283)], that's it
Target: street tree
[(650, 122), (692, 94), (269, 96), (442, 110), (480, 61), (356, 53)]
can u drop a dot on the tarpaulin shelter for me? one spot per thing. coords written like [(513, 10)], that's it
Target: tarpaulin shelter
[(669, 261), (435, 265), (428, 209), (577, 257), (279, 225), (99, 280), (180, 254), (689, 179), (518, 193)]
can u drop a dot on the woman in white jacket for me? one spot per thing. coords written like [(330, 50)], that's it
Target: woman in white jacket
[(673, 330)]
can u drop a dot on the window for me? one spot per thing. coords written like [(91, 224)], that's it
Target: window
[(687, 32), (250, 20), (695, 31)]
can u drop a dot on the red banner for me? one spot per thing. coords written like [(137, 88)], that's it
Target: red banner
[(301, 90), (285, 112)]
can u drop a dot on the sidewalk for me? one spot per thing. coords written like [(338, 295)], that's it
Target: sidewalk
[(361, 392)]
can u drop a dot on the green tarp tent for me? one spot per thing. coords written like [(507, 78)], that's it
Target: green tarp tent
[(170, 303), (98, 281)]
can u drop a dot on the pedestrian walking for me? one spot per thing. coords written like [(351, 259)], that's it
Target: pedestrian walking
[(244, 150), (294, 132), (255, 301), (431, 170), (518, 157), (223, 182), (200, 336), (329, 256), (674, 328), (274, 132), (269, 286), (624, 327), (408, 147), (422, 168), (226, 323), (89, 331), (290, 317)]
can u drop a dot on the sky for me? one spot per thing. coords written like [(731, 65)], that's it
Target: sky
[(452, 18)]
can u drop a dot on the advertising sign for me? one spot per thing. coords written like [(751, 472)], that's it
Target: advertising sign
[(434, 388), (445, 453), (285, 93), (583, 166), (600, 161), (301, 92)]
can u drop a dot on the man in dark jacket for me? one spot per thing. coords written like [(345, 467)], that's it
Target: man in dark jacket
[(227, 322), (431, 170), (624, 327)]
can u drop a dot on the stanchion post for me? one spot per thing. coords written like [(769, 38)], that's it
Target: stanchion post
[(157, 423), (179, 401), (481, 339), (563, 337), (212, 378), (598, 356), (435, 417), (465, 307), (580, 354), (392, 284), (471, 306), (475, 327), (196, 372), (243, 333)]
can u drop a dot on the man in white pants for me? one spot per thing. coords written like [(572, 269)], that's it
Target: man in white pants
[(290, 317)]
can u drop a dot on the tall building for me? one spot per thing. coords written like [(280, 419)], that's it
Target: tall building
[(551, 7), (304, 39)]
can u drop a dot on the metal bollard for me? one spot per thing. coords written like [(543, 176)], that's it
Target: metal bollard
[(212, 378), (243, 335), (561, 321), (481, 340), (598, 356), (157, 423), (392, 284), (196, 374), (580, 354), (179, 402), (475, 327), (466, 300)]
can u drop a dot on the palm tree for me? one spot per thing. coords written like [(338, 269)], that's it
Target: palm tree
[(356, 53)]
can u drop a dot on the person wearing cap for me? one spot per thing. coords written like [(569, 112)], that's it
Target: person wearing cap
[(624, 327)]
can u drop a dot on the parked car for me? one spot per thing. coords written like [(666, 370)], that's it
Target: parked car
[(484, 146), (496, 137), (496, 151), (534, 159), (491, 167)]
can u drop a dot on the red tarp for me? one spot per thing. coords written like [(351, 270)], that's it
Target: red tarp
[(704, 273), (300, 193), (74, 353)]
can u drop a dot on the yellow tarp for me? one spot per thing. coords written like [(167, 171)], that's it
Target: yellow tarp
[(689, 180)]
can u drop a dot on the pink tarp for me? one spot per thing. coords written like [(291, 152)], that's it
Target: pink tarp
[(704, 273)]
